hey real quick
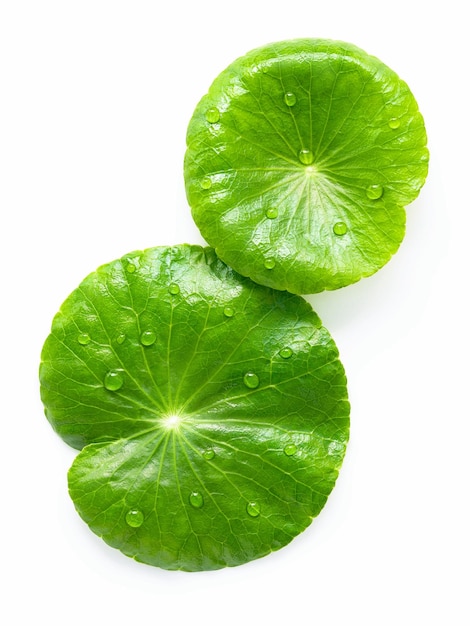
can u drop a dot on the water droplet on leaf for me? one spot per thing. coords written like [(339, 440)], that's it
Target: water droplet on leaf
[(340, 228), (148, 338), (196, 499), (290, 449), (251, 380), (229, 311), (174, 289), (113, 380), (208, 454), (253, 509), (394, 123), (135, 518), (83, 339), (290, 99), (306, 157), (206, 182), (286, 352), (269, 264), (213, 115), (374, 192), (121, 338), (132, 264), (271, 213)]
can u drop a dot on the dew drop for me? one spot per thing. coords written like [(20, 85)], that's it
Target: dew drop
[(208, 454), (196, 499), (213, 115), (83, 339), (121, 338), (174, 289), (340, 228), (132, 264), (290, 99), (113, 380), (229, 311), (290, 449), (253, 509), (286, 353), (251, 380), (394, 123), (135, 518), (148, 338), (374, 192), (270, 263), (206, 182), (306, 157), (271, 213)]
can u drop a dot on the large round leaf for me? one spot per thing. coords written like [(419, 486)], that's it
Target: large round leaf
[(212, 412), (300, 161)]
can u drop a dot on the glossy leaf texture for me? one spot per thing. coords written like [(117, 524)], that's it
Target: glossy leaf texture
[(211, 413), (300, 160)]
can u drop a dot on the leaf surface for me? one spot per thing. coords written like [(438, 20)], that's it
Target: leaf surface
[(211, 413), (300, 161)]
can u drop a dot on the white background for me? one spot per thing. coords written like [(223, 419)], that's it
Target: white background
[(95, 97)]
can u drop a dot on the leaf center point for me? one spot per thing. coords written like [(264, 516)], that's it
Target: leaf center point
[(311, 171), (171, 421)]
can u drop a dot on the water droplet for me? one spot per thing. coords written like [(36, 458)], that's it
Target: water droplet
[(306, 157), (206, 182), (83, 339), (120, 339), (340, 228), (132, 264), (269, 264), (113, 380), (196, 499), (394, 123), (271, 213), (425, 157), (251, 380), (148, 338), (134, 518), (290, 99), (253, 509), (290, 449), (213, 115), (374, 192), (208, 454), (286, 353), (229, 311), (174, 289)]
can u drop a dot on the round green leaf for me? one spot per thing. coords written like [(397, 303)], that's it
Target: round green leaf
[(300, 161), (212, 412)]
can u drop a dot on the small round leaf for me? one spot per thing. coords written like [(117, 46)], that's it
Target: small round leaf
[(211, 413), (301, 179)]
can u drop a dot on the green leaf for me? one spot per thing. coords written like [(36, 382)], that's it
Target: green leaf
[(212, 412), (300, 161)]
